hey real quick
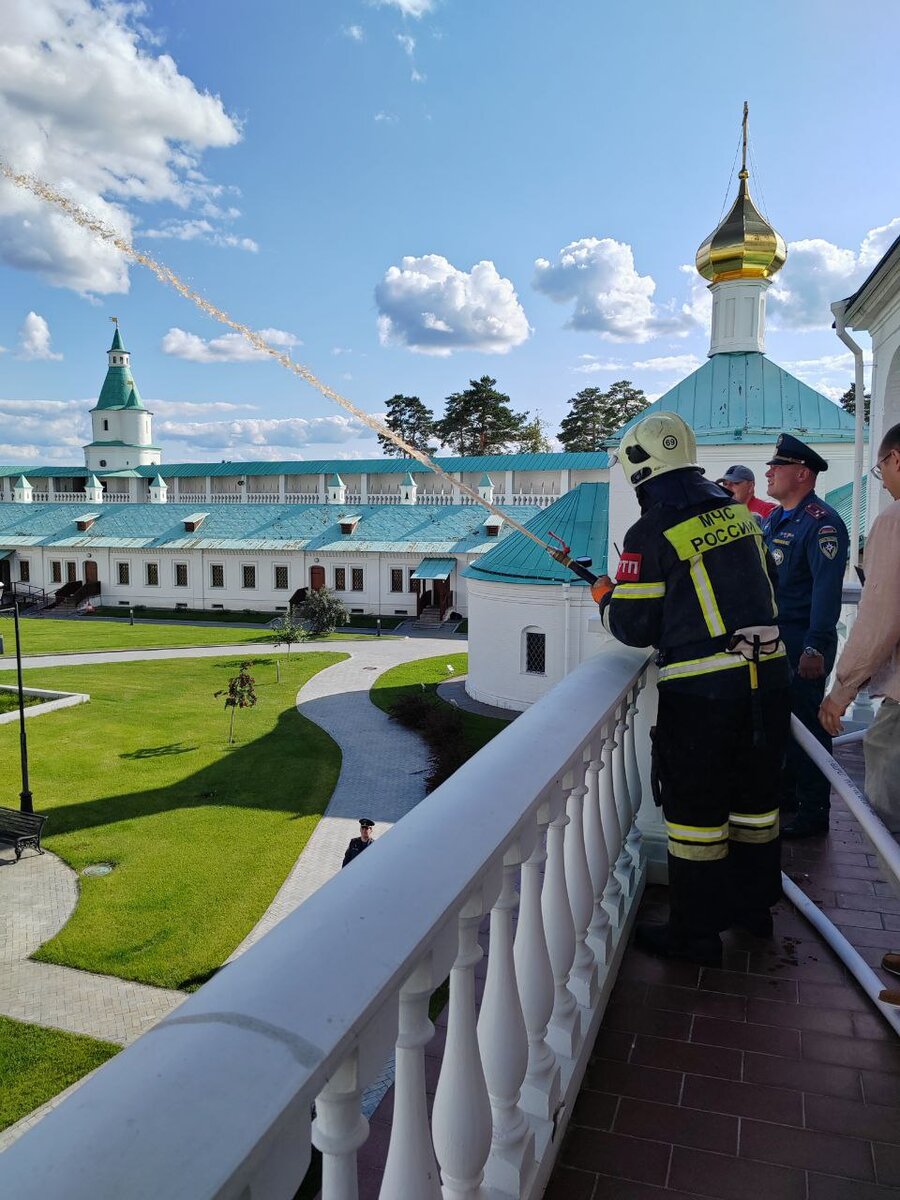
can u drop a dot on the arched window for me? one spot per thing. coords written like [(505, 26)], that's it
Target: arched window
[(534, 651)]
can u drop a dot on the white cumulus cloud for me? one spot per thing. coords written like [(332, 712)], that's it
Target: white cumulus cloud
[(409, 8), (681, 364), (355, 33), (34, 339), (44, 430), (89, 104), (228, 348), (609, 296), (408, 43), (432, 307), (199, 230), (254, 437)]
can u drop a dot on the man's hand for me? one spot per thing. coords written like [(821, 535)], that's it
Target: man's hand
[(601, 587), (811, 666), (830, 715)]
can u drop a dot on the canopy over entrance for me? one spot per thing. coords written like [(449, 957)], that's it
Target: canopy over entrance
[(434, 568)]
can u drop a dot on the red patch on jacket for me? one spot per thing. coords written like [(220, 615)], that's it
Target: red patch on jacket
[(629, 568)]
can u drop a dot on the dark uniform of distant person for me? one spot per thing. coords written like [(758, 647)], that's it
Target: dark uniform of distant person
[(358, 844), (809, 543), (694, 581)]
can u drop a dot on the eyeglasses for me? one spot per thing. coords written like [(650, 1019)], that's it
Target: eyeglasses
[(876, 470)]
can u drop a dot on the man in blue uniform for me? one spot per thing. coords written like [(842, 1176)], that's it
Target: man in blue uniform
[(809, 544), (694, 581)]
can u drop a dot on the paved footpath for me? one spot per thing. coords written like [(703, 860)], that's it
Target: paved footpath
[(39, 893)]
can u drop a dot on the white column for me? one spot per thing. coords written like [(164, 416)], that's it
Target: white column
[(624, 863), (281, 489), (411, 1169), (208, 489), (503, 1043), (583, 981), (339, 1130), (456, 494), (540, 1090), (633, 775), (599, 932), (364, 488), (564, 1030), (613, 900), (461, 1119), (508, 486)]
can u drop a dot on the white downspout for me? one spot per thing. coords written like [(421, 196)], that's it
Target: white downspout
[(838, 309)]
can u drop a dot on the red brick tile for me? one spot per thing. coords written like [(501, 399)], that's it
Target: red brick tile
[(735, 957), (849, 1052), (887, 1164), (808, 964), (730, 982), (628, 991), (612, 1043), (832, 855), (824, 1079), (872, 1026), (684, 1056), (884, 939), (881, 1088), (835, 875), (613, 1154), (882, 904), (801, 1016), (883, 889), (627, 1079), (829, 1187), (728, 1178), (641, 1019), (678, 1125), (643, 968), (693, 1000), (849, 1157), (876, 1122), (743, 1099), (891, 922), (594, 1110), (624, 1189), (741, 1035), (834, 996), (569, 1184), (846, 885)]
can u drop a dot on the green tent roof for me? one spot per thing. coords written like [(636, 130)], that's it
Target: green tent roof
[(117, 343), (841, 500)]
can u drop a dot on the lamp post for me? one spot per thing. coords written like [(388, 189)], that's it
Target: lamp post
[(25, 799)]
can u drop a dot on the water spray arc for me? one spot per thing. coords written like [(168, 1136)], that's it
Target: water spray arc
[(43, 191)]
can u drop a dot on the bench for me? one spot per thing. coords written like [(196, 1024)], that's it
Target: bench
[(22, 829)]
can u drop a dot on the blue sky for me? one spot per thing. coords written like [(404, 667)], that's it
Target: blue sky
[(413, 193)]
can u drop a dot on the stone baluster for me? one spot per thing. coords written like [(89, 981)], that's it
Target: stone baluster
[(564, 1030), (339, 1130), (624, 865), (599, 934), (503, 1043), (461, 1118), (411, 1169), (583, 981), (540, 1090), (613, 899), (633, 773)]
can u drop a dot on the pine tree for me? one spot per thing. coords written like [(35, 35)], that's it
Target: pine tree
[(848, 402), (533, 439), (408, 417), (480, 420), (594, 415)]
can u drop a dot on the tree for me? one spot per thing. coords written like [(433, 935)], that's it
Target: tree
[(479, 420), (848, 402), (241, 694), (288, 631), (594, 415), (533, 438), (408, 417), (322, 612)]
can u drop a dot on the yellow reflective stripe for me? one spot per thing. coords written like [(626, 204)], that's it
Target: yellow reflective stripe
[(707, 597), (712, 529), (765, 818), (703, 853), (761, 547), (755, 836), (697, 833), (714, 662), (639, 591)]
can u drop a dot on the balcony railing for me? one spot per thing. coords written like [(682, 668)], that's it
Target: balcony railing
[(543, 846), (513, 499)]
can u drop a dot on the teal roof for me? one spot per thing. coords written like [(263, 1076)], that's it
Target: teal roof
[(119, 389), (434, 568), (841, 500), (486, 481), (408, 480), (93, 482), (580, 518), (22, 482), (335, 481), (117, 343), (159, 482), (423, 529), (746, 398)]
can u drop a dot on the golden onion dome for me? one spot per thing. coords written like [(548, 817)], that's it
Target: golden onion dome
[(744, 245)]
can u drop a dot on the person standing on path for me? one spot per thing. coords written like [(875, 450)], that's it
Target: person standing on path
[(809, 544), (357, 845), (872, 653)]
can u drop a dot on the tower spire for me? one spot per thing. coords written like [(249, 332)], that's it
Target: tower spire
[(745, 174)]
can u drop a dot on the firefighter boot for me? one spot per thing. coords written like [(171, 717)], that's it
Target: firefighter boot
[(662, 940)]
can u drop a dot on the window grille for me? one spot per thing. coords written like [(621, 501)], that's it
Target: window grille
[(216, 575), (56, 571), (181, 575), (281, 579), (152, 574), (248, 575), (123, 573), (24, 571), (535, 653), (356, 579), (340, 579), (396, 579)]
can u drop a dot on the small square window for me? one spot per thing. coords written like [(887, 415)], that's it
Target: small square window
[(24, 571), (340, 579), (356, 579), (396, 579), (152, 574), (181, 575), (123, 574), (248, 575), (216, 576), (56, 571), (535, 653), (281, 579)]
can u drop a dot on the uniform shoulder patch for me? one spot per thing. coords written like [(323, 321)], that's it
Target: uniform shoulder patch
[(629, 570), (816, 510), (828, 541)]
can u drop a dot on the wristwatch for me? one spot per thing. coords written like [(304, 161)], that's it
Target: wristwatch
[(813, 650)]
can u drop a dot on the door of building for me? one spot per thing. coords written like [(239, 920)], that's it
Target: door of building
[(90, 571), (316, 578), (5, 578)]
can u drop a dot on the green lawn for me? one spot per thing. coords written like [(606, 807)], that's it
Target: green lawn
[(409, 677), (36, 1064), (9, 701), (202, 834), (44, 636)]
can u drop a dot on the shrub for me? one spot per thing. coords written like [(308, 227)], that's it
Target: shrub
[(440, 726), (322, 611)]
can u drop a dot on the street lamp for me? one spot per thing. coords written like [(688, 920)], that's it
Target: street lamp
[(25, 800)]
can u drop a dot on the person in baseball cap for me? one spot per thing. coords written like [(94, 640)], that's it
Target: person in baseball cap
[(741, 482)]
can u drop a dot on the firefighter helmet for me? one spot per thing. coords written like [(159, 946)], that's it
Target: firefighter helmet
[(663, 442)]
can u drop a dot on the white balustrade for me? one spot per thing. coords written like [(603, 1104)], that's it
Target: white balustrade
[(216, 1100), (301, 497), (624, 864), (633, 777), (263, 498), (116, 497)]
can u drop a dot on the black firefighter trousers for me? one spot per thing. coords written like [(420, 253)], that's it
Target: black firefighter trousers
[(720, 795)]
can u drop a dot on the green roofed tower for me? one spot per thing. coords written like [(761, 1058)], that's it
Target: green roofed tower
[(121, 425)]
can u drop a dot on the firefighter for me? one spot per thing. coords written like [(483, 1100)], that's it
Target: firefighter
[(694, 580)]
